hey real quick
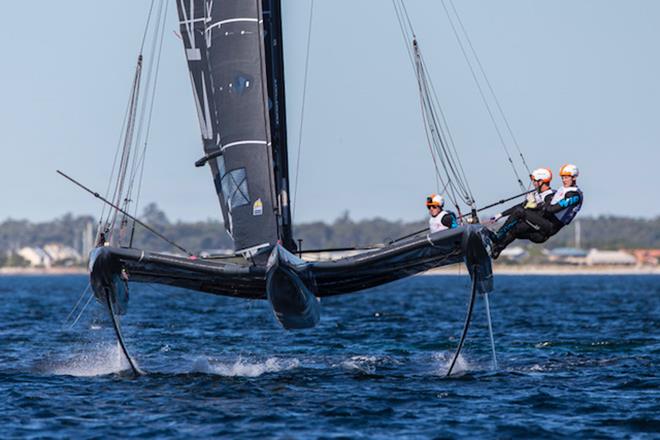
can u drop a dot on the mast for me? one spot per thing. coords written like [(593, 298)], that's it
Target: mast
[(272, 15)]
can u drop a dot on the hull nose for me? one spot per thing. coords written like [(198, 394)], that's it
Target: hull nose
[(288, 288), (477, 259), (108, 279)]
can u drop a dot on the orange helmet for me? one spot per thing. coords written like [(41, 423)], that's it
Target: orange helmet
[(435, 200), (542, 174), (569, 170)]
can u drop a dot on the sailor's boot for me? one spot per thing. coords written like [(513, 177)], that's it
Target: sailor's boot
[(502, 241)]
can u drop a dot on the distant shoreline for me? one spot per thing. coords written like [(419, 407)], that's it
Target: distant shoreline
[(41, 271), (536, 269), (553, 269)]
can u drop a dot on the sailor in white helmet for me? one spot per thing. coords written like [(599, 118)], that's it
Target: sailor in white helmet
[(440, 219), (527, 220), (541, 178)]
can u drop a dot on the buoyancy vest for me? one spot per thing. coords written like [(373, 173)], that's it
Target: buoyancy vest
[(436, 224), (541, 196), (569, 198)]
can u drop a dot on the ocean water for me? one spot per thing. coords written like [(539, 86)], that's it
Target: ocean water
[(578, 356)]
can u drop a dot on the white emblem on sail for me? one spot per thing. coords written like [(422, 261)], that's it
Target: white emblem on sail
[(257, 208)]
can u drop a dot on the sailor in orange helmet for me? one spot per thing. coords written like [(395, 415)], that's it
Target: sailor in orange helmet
[(567, 201), (528, 220), (439, 219)]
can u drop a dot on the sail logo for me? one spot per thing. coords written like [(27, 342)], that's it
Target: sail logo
[(258, 208)]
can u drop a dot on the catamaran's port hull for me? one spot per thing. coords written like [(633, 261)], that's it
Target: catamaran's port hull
[(287, 277)]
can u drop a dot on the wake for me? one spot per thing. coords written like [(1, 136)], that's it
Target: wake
[(99, 360)]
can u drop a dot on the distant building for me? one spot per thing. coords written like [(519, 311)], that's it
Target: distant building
[(61, 254), (35, 256), (50, 255), (596, 257), (649, 257), (566, 255), (514, 254)]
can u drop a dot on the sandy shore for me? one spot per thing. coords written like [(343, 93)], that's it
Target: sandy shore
[(38, 271), (498, 269), (553, 269)]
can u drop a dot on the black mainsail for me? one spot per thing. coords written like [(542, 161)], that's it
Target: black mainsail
[(224, 42)]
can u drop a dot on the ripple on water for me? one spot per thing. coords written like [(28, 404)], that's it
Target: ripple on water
[(578, 361)]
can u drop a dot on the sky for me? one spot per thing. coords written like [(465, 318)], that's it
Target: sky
[(578, 82)]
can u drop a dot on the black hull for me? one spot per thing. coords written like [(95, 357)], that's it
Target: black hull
[(290, 284), (290, 290)]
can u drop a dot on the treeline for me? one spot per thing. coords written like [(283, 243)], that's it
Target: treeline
[(605, 232)]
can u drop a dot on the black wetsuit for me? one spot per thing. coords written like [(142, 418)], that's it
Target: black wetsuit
[(526, 223), (537, 225), (565, 205)]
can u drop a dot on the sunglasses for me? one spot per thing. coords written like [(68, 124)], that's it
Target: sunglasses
[(432, 207)]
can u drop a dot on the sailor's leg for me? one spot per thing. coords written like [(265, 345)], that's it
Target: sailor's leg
[(538, 222), (510, 223), (519, 230), (542, 228), (538, 237), (502, 242)]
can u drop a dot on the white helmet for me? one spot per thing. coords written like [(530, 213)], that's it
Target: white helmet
[(435, 200), (569, 170), (542, 174)]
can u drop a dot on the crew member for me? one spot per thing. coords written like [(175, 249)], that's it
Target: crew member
[(567, 201), (541, 178), (527, 220), (440, 219)]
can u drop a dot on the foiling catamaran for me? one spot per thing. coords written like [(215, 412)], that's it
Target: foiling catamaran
[(234, 53)]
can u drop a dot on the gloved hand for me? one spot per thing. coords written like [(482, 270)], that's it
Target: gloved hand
[(531, 202)]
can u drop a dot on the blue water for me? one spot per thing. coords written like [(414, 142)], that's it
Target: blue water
[(578, 356)]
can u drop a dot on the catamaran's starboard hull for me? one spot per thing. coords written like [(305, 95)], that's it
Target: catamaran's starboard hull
[(287, 275)]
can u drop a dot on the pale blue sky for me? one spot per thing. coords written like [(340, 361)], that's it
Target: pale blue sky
[(578, 81)]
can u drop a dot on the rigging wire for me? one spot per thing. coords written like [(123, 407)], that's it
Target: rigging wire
[(151, 72), (146, 26), (75, 307), (450, 162), (447, 187), (151, 109), (490, 87), (75, 321), (440, 141), (126, 149), (483, 96), (148, 124), (128, 163), (112, 173), (294, 202), (404, 33), (449, 137)]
